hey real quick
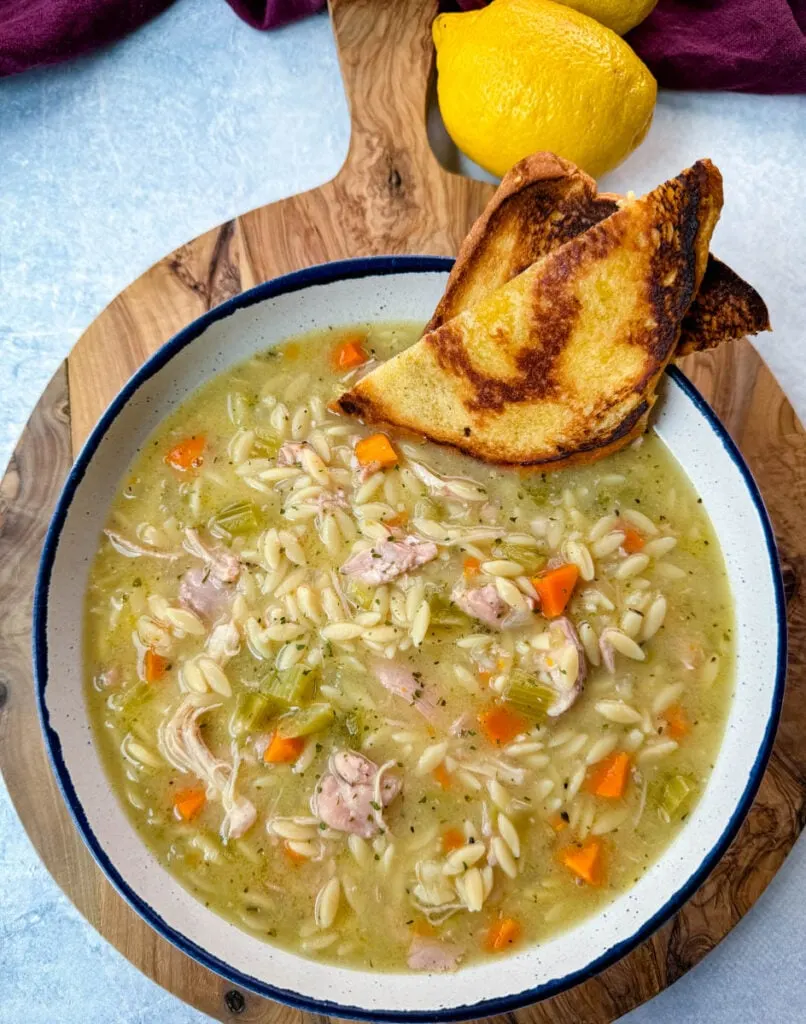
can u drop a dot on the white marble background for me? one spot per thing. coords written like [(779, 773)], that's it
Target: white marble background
[(109, 163)]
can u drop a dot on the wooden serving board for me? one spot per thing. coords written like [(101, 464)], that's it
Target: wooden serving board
[(391, 196)]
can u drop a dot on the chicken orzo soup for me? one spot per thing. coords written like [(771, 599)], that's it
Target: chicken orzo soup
[(380, 704)]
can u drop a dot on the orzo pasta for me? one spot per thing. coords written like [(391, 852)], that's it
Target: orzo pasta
[(383, 705)]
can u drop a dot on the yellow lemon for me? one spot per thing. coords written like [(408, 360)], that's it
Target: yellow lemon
[(620, 15), (525, 75)]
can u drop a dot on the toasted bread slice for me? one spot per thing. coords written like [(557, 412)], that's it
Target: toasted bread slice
[(560, 364), (544, 202)]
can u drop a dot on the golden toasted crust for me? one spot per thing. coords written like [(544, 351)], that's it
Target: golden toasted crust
[(559, 364), (541, 204), (544, 202)]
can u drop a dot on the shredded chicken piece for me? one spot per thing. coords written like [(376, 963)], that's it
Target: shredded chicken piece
[(402, 682), (224, 643), (447, 487), (351, 795), (482, 603), (328, 500), (433, 892), (203, 593), (222, 564), (567, 690), (239, 812), (290, 453), (180, 743), (486, 605), (129, 549), (362, 471), (389, 559)]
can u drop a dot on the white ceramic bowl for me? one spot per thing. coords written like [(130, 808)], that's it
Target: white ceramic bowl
[(391, 288)]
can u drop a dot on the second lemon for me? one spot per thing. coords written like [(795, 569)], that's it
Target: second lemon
[(525, 75)]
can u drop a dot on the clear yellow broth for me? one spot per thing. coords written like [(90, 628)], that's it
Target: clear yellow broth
[(543, 845)]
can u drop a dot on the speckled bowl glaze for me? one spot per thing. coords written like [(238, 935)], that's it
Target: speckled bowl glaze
[(391, 288)]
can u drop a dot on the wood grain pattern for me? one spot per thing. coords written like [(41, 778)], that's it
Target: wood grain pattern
[(391, 196)]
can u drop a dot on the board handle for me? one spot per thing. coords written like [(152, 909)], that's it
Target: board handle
[(386, 57)]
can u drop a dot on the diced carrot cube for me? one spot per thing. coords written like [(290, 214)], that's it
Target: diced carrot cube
[(443, 776), (399, 519), (609, 777), (452, 839), (677, 723), (188, 454), (502, 933), (377, 448), (471, 566), (501, 725), (154, 666), (422, 928), (188, 803), (282, 750), (633, 541), (585, 861), (349, 354), (554, 588)]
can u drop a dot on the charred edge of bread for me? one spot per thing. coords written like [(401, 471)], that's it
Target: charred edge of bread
[(632, 426), (727, 308), (698, 194)]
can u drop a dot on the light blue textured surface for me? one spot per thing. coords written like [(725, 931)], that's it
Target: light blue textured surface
[(109, 163)]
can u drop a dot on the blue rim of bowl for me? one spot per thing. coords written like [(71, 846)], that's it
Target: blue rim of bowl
[(329, 273)]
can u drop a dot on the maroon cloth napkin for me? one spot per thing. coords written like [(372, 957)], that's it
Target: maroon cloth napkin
[(737, 45), (273, 13), (34, 33), (38, 32), (742, 45)]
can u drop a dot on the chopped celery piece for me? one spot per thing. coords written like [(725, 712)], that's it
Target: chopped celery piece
[(360, 594), (675, 794), (305, 721), (354, 722), (252, 711), (265, 445), (444, 613), (235, 518), (530, 559), (528, 695), (289, 687)]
